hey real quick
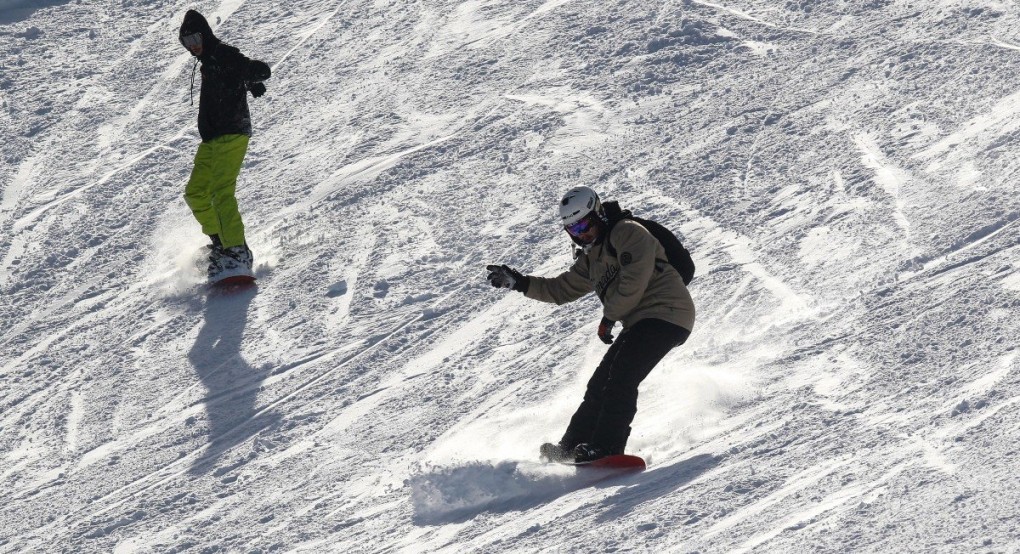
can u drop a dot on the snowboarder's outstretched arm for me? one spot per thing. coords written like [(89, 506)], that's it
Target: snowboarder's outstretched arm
[(565, 287)]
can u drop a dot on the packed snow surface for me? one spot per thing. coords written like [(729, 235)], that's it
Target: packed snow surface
[(844, 172)]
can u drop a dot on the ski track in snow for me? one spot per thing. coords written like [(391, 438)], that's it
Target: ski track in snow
[(744, 15), (892, 179), (844, 176)]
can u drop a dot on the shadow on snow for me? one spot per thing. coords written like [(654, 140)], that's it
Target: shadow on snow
[(459, 493), (232, 383), (657, 483), (14, 11)]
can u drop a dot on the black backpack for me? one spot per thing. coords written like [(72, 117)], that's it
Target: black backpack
[(676, 254)]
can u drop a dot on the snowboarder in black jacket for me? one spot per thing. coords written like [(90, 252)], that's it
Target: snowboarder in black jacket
[(224, 123)]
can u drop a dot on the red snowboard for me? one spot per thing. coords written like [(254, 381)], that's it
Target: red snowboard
[(626, 462), (233, 283)]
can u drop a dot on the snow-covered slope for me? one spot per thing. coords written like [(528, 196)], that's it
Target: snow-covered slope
[(844, 172)]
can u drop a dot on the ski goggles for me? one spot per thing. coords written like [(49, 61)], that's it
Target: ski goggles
[(581, 226), (192, 40)]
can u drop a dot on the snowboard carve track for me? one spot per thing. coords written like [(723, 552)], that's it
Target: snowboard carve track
[(749, 17), (168, 472), (20, 225)]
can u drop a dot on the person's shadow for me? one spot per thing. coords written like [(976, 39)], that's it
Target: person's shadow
[(16, 11), (232, 383), (657, 483)]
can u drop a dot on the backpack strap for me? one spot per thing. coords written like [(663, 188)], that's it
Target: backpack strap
[(614, 215), (612, 250)]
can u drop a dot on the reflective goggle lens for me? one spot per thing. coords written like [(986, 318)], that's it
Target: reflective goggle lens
[(580, 227), (192, 40)]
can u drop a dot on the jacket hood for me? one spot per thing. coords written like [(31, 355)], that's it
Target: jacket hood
[(195, 22), (614, 212)]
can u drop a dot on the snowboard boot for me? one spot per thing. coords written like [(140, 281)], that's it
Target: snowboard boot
[(214, 257), (550, 452), (229, 262), (587, 452), (241, 254)]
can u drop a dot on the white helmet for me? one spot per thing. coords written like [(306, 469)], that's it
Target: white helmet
[(577, 203)]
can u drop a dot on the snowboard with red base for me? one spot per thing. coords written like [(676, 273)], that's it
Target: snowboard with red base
[(550, 452), (232, 283), (623, 462)]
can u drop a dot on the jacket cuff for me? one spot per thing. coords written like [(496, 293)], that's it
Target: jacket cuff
[(522, 284)]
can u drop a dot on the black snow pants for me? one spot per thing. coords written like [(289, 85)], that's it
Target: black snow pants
[(610, 402)]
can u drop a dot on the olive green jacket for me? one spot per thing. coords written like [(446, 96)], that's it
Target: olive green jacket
[(638, 283)]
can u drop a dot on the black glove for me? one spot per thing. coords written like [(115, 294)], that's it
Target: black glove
[(256, 89), (506, 277), (606, 330)]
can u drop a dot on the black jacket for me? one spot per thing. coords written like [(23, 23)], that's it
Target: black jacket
[(226, 76)]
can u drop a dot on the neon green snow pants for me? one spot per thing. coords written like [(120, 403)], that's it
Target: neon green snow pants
[(210, 191)]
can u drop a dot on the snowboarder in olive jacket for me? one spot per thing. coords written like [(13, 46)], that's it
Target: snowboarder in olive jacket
[(224, 123), (639, 289)]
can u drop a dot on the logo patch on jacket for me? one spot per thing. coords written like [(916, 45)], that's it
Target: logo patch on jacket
[(626, 258)]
